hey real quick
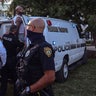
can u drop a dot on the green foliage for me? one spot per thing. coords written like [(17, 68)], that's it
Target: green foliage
[(81, 81), (58, 8), (92, 23), (63, 9)]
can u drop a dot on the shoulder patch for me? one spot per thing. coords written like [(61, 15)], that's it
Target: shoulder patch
[(48, 51)]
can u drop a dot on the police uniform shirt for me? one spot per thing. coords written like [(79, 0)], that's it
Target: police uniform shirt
[(41, 61), (11, 44), (47, 57)]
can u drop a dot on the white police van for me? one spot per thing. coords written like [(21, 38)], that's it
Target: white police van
[(67, 43), (4, 26)]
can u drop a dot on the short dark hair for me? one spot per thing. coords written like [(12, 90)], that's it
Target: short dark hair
[(12, 28)]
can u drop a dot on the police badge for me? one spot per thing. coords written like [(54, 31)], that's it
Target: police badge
[(48, 51)]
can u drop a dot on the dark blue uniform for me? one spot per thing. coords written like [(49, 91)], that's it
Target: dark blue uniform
[(11, 44), (41, 61)]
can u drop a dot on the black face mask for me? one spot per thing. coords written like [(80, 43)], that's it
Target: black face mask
[(33, 36), (20, 13)]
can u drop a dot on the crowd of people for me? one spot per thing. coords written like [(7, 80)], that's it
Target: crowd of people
[(39, 72)]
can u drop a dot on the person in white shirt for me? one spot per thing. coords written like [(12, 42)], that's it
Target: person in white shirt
[(19, 23), (2, 55)]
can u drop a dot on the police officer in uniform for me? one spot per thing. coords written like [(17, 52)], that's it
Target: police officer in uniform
[(40, 72), (11, 44)]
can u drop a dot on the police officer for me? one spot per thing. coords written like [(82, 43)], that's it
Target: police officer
[(11, 44), (41, 69)]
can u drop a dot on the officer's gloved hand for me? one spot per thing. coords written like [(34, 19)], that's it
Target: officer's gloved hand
[(25, 92), (19, 86), (18, 83)]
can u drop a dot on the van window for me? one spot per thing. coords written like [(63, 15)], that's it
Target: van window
[(52, 29), (57, 29), (63, 29), (79, 31)]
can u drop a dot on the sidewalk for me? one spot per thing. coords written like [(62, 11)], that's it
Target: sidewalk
[(91, 51), (91, 48)]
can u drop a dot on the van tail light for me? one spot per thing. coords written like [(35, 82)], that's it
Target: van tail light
[(49, 23)]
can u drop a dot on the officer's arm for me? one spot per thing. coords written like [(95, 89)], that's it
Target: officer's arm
[(48, 78)]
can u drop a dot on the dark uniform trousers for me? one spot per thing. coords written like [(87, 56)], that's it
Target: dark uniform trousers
[(8, 72)]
